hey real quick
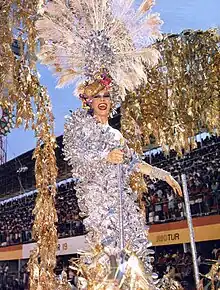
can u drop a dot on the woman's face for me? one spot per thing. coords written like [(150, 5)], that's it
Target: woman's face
[(101, 104)]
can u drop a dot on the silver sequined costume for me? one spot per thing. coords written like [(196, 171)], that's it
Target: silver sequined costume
[(86, 144)]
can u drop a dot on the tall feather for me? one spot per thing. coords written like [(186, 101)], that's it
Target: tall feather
[(146, 5), (67, 78)]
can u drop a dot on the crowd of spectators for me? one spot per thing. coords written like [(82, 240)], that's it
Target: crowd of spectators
[(13, 279), (179, 266), (10, 280), (202, 169), (16, 218), (200, 165)]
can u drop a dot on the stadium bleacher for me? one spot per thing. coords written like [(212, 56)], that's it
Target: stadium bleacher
[(200, 165)]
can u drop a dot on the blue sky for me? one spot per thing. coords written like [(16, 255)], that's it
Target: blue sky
[(177, 16)]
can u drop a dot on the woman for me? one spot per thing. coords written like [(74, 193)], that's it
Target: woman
[(95, 150), (89, 40)]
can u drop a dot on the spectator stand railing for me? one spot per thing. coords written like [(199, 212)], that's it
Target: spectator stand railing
[(200, 204)]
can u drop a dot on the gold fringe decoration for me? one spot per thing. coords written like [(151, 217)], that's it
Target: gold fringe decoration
[(43, 260), (182, 95), (131, 116), (180, 100), (21, 92)]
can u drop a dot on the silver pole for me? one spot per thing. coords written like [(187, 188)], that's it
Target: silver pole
[(121, 218), (150, 157), (191, 231)]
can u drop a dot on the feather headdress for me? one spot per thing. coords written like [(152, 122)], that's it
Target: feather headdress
[(82, 38)]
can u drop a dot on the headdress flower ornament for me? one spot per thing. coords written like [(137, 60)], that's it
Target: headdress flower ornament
[(88, 40)]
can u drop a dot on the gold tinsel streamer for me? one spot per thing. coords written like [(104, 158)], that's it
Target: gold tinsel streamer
[(130, 115), (43, 260), (181, 98), (21, 91), (182, 95)]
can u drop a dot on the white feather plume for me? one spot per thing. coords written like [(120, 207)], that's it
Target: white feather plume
[(66, 33)]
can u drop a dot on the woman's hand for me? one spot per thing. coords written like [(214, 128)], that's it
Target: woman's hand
[(174, 184), (116, 156), (158, 173)]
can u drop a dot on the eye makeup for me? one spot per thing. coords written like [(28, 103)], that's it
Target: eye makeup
[(102, 96)]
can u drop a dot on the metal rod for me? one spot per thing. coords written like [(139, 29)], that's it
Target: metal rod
[(121, 218), (191, 231)]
